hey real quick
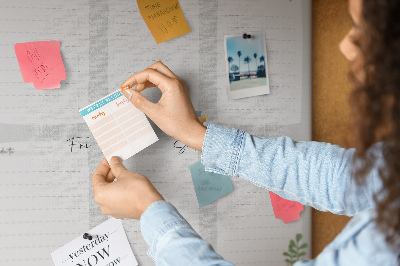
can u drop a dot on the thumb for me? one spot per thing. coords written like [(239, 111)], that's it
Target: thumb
[(100, 174), (138, 100), (117, 167)]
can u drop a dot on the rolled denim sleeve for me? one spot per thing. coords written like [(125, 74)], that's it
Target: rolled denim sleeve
[(172, 241), (313, 173)]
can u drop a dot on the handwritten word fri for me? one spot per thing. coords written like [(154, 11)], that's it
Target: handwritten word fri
[(124, 101), (79, 142), (100, 114), (8, 151)]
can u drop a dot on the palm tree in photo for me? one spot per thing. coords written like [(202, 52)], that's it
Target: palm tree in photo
[(262, 59), (247, 60), (234, 68), (239, 54), (230, 60), (255, 58)]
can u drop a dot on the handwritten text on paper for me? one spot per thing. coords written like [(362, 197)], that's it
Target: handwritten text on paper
[(164, 19)]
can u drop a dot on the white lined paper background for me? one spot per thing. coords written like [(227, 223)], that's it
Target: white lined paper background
[(47, 198)]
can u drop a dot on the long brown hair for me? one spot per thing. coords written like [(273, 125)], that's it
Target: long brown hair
[(375, 103)]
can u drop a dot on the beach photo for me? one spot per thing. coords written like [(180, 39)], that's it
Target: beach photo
[(247, 66)]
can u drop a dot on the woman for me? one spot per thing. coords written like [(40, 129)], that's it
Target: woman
[(317, 174)]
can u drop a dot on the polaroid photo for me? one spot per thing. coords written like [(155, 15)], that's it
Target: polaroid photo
[(246, 64)]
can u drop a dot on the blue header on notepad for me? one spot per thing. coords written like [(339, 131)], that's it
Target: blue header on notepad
[(101, 103)]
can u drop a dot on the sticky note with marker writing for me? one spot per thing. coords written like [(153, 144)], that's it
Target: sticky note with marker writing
[(41, 63), (284, 209), (209, 186), (108, 246), (118, 126), (164, 18)]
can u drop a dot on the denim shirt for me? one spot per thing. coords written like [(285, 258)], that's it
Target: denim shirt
[(312, 173)]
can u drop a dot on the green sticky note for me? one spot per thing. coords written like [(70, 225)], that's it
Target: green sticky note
[(209, 186)]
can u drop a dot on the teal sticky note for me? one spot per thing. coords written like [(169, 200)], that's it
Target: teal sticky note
[(209, 186)]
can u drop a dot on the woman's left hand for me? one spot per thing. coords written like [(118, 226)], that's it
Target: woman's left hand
[(127, 197)]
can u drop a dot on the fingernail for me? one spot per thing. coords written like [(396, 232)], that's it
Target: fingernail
[(115, 160), (128, 94)]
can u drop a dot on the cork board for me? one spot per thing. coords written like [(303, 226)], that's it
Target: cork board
[(331, 89)]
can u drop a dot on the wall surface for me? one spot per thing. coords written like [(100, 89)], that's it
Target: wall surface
[(331, 88)]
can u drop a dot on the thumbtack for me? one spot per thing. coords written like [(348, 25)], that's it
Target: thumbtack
[(246, 36), (127, 87), (87, 236)]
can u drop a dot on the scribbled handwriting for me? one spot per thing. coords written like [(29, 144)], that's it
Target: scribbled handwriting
[(100, 114), (168, 24), (153, 6), (181, 147), (124, 101), (163, 11), (5, 151), (78, 143)]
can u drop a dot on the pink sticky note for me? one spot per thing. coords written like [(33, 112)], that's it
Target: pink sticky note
[(284, 209), (41, 63)]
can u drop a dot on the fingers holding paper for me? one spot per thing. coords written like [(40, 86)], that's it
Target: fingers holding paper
[(128, 197), (174, 112)]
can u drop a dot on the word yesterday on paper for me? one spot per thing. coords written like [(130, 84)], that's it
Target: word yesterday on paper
[(109, 246)]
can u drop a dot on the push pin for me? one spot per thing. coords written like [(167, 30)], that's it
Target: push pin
[(87, 236), (246, 36), (128, 91), (127, 87)]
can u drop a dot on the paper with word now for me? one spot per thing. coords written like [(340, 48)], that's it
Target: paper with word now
[(108, 246), (118, 126), (209, 186), (164, 18), (41, 63), (284, 209)]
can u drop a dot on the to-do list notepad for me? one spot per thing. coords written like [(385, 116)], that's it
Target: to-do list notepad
[(118, 126)]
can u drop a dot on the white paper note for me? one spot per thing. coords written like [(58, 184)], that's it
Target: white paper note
[(118, 126), (109, 246)]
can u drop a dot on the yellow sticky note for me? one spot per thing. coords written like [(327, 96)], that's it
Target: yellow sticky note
[(164, 18)]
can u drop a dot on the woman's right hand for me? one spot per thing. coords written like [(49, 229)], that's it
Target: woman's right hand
[(173, 113)]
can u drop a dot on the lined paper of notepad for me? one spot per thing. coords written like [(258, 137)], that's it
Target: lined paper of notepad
[(118, 126)]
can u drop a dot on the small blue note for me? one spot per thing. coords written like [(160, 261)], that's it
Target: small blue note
[(209, 186)]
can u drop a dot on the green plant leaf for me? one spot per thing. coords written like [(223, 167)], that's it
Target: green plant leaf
[(303, 246), (286, 254), (288, 261), (291, 249), (302, 254), (298, 237), (292, 244)]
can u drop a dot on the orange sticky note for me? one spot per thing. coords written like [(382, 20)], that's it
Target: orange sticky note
[(284, 209), (164, 18), (41, 63)]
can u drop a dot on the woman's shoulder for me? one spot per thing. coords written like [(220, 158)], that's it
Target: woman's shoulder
[(361, 240)]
